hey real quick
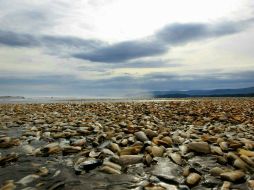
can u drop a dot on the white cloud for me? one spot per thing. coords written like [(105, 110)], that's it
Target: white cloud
[(125, 20), (113, 20)]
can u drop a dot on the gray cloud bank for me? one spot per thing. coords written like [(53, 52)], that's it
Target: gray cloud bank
[(99, 51), (55, 85)]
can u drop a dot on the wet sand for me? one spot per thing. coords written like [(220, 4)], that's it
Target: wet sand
[(81, 100), (176, 144)]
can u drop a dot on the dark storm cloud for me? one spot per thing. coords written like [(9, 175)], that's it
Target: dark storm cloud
[(184, 33), (98, 51), (177, 33), (14, 39), (64, 46), (124, 51), (162, 40), (70, 42), (53, 44)]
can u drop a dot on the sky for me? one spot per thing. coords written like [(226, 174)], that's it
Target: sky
[(112, 48)]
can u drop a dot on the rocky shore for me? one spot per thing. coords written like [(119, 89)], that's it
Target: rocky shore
[(197, 144)]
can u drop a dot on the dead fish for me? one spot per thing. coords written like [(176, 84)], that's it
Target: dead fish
[(246, 152), (79, 142), (131, 150), (6, 142), (226, 185), (183, 149), (28, 149), (200, 147), (150, 133), (238, 163), (28, 179), (157, 151), (232, 176), (52, 148), (94, 154), (193, 179), (107, 152), (223, 146), (70, 149), (148, 159), (247, 160), (88, 165), (216, 150), (141, 136), (130, 159), (57, 173), (110, 170), (56, 185), (104, 144), (176, 158), (112, 165), (8, 158), (43, 171), (216, 171), (114, 147), (8, 185)]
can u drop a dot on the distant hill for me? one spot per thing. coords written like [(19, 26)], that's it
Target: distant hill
[(212, 95), (12, 97), (240, 92)]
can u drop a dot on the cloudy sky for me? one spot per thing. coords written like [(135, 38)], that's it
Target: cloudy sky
[(115, 47)]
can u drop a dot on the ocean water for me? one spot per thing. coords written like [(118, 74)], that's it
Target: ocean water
[(42, 100)]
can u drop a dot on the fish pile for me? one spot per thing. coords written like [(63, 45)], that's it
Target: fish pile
[(194, 144)]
